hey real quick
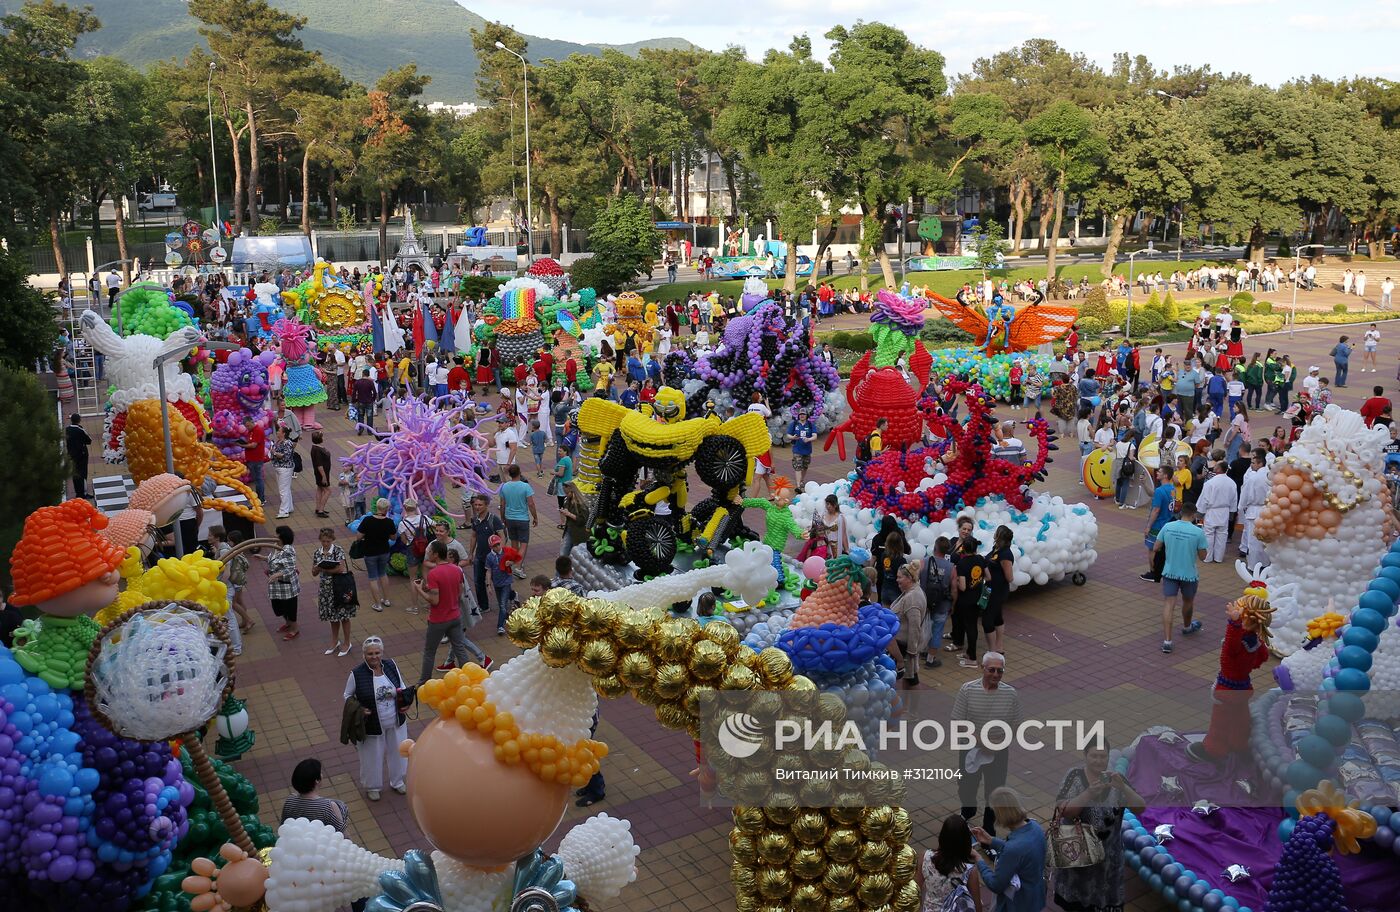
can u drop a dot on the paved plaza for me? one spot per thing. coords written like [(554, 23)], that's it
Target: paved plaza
[(1101, 637)]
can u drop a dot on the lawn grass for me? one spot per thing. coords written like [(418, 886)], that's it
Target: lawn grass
[(945, 283)]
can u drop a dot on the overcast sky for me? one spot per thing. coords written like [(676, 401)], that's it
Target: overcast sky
[(1272, 41)]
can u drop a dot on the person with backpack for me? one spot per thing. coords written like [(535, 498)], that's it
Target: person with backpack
[(971, 594), (415, 532), (936, 579), (947, 879), (871, 445)]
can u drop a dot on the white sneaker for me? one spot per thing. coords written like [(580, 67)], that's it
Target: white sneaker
[(374, 794)]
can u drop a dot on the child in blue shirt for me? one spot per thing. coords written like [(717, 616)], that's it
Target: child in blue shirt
[(501, 563), (537, 442)]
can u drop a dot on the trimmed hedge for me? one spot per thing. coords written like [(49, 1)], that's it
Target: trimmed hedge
[(1147, 321), (1095, 306), (1090, 326)]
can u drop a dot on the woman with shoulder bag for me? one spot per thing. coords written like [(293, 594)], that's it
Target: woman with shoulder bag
[(379, 688), (415, 533), (1089, 808), (337, 599)]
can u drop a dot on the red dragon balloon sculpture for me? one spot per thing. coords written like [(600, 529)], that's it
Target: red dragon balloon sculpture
[(890, 481)]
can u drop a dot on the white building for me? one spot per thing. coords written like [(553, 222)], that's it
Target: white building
[(465, 109)]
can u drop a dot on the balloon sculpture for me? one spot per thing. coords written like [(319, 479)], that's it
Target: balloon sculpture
[(907, 483), (876, 392), (147, 309), (133, 377), (647, 526), (1002, 328), (335, 309), (301, 387), (1245, 648), (430, 447), (1327, 508), (512, 317), (837, 644), (521, 734), (759, 352), (631, 311), (88, 819), (238, 392)]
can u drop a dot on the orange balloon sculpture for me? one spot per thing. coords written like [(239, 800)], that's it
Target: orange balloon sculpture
[(194, 459), (60, 552)]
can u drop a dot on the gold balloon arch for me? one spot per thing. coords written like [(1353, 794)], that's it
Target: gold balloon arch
[(806, 851)]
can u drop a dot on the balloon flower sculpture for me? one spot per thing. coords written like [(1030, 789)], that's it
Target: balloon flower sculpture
[(934, 482), (88, 817), (430, 447), (521, 735)]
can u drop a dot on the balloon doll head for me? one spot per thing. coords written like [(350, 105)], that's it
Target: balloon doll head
[(669, 405), (521, 736), (783, 490), (62, 565), (1253, 611)]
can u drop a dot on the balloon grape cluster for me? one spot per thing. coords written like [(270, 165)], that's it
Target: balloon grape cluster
[(87, 819), (148, 309), (1306, 878)]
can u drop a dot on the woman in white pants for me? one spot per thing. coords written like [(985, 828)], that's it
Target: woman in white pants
[(283, 466), (375, 683)]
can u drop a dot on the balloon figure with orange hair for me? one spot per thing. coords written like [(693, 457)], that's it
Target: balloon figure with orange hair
[(781, 525), (88, 819), (1244, 649)]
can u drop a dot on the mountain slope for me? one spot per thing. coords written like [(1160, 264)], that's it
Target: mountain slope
[(361, 37)]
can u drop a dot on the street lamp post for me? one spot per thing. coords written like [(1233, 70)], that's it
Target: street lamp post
[(1128, 330), (214, 159), (1297, 264), (529, 200)]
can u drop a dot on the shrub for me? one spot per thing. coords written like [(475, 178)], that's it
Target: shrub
[(1096, 306), (1090, 326), (859, 342), (1339, 308), (1170, 312), (1154, 302), (1146, 320), (944, 331), (1262, 324), (481, 286), (1117, 313), (1242, 307), (32, 438), (1241, 297), (1263, 307)]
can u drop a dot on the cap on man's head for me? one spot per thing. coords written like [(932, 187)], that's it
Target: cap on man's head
[(494, 540)]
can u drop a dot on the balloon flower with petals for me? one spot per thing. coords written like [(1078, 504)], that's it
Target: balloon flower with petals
[(895, 324), (430, 447)]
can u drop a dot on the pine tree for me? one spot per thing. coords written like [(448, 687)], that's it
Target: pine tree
[(31, 449)]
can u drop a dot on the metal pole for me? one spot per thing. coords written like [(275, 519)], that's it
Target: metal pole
[(169, 453), (1293, 309), (214, 159), (529, 201), (1128, 331)]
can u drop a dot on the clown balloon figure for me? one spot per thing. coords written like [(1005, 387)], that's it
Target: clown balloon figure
[(301, 389)]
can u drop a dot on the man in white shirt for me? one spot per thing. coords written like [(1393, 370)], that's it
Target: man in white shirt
[(114, 284), (1253, 493), (1217, 501), (1310, 383), (1310, 277), (1225, 320), (341, 364)]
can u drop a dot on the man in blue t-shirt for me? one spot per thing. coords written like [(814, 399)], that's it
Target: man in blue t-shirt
[(1181, 542), (518, 512), (1163, 509), (635, 370), (1088, 389), (803, 432), (1186, 389)]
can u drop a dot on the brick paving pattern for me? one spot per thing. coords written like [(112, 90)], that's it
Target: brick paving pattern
[(1103, 636)]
